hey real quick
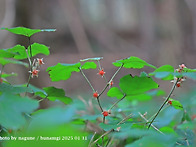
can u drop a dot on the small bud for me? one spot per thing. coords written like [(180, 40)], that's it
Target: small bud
[(169, 102), (105, 113), (34, 73), (101, 72), (95, 95)]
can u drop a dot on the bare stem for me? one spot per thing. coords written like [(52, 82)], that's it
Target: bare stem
[(99, 104), (117, 102), (30, 63), (151, 125), (106, 86), (87, 80), (167, 98), (92, 139), (102, 136), (2, 68)]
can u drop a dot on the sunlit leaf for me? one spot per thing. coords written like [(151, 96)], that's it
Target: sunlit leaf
[(132, 62), (5, 75), (89, 65), (115, 92), (6, 54), (62, 71), (164, 72), (37, 48), (26, 31), (136, 85)]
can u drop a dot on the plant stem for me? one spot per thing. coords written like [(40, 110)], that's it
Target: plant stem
[(100, 105), (87, 79), (151, 125), (30, 62), (106, 86), (101, 69), (102, 136), (167, 98), (117, 102), (2, 68), (92, 139)]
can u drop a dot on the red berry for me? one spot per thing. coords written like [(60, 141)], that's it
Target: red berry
[(95, 94), (111, 83), (178, 85), (169, 102), (101, 72), (105, 113)]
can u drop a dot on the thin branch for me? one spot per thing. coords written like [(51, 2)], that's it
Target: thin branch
[(102, 136), (124, 119), (117, 102), (89, 145), (99, 104), (106, 86), (151, 125), (167, 98), (87, 79), (100, 68), (2, 68)]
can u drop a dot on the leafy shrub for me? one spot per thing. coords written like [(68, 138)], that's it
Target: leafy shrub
[(127, 122)]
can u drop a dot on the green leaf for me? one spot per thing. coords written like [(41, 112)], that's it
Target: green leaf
[(168, 130), (19, 51), (37, 48), (26, 31), (139, 97), (52, 117), (92, 59), (136, 85), (176, 104), (115, 92), (132, 62), (62, 71), (53, 94), (154, 140), (89, 65), (4, 75), (164, 72), (14, 89), (6, 54), (13, 108), (4, 61)]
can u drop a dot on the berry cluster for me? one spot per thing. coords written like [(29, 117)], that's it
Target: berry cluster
[(181, 79), (36, 64)]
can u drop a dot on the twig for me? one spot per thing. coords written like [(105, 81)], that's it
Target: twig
[(151, 125), (117, 102), (102, 136), (124, 119), (89, 145), (86, 79), (99, 104), (167, 98), (2, 68), (110, 80)]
